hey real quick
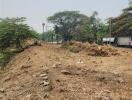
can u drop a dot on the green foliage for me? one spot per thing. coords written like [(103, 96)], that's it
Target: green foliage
[(72, 25), (102, 31), (67, 22), (122, 25), (4, 58), (92, 30), (50, 36), (83, 32), (14, 31)]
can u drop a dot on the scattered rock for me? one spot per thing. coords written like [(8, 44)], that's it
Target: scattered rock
[(101, 78), (80, 62), (66, 72), (34, 75), (2, 90), (120, 80), (45, 83), (46, 96), (33, 97), (57, 65), (45, 70), (1, 96), (61, 90), (25, 66), (57, 80), (43, 75), (29, 58), (105, 98), (45, 78), (7, 79)]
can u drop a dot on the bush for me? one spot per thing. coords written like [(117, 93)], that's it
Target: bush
[(4, 58)]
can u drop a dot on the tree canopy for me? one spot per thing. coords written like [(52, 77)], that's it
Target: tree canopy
[(75, 26), (67, 22), (122, 25)]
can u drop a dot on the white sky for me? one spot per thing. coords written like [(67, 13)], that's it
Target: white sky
[(37, 11)]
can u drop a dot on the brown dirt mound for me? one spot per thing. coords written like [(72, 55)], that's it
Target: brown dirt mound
[(49, 72), (91, 49)]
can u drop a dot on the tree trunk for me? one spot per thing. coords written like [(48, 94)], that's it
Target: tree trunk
[(95, 37)]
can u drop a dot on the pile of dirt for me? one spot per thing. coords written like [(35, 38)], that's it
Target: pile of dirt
[(43, 73), (91, 49)]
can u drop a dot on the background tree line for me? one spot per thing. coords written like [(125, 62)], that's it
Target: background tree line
[(122, 25), (71, 25)]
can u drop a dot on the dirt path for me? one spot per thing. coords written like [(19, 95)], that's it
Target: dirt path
[(50, 73)]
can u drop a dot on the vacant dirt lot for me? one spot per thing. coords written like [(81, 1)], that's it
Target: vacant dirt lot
[(49, 72)]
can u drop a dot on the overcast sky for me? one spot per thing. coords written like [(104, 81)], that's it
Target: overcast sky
[(37, 11)]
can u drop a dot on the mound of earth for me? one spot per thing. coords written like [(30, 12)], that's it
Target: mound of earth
[(91, 49), (49, 72)]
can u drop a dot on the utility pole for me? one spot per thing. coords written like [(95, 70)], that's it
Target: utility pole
[(43, 36), (110, 26), (43, 25)]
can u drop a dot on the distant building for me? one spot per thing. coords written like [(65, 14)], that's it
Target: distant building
[(121, 39), (124, 39)]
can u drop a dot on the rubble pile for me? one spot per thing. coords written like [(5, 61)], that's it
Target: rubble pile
[(91, 49)]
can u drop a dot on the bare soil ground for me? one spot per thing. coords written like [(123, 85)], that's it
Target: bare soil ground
[(49, 72)]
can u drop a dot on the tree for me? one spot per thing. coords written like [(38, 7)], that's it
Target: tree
[(92, 29), (122, 25), (14, 31), (67, 22), (48, 36), (102, 31), (83, 32), (94, 21)]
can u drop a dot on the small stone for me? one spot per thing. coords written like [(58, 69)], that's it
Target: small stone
[(7, 79), (45, 78), (57, 80), (33, 97), (120, 80), (25, 66), (46, 96), (33, 75), (80, 62), (46, 83), (61, 90), (43, 75), (2, 90), (1, 96), (65, 72), (57, 65), (46, 70), (105, 98)]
